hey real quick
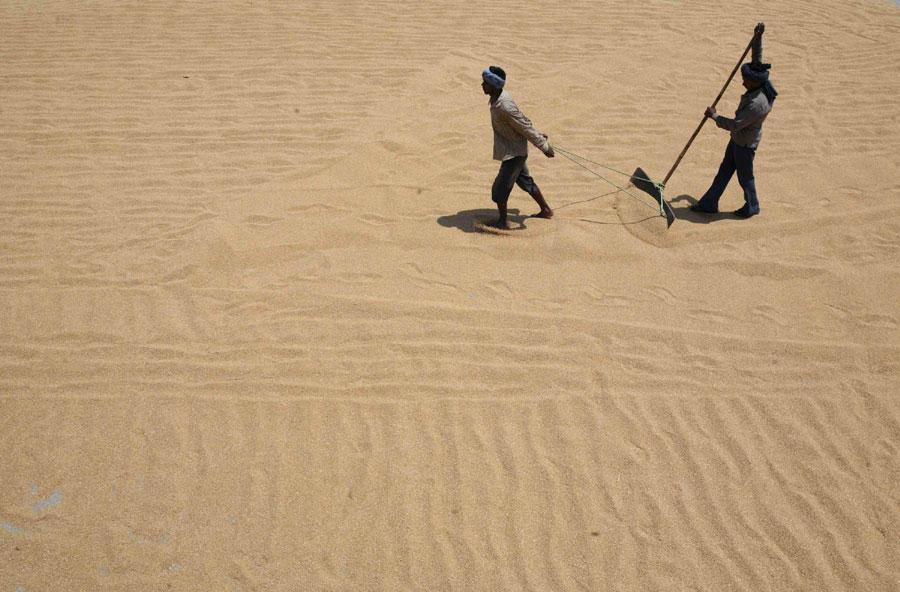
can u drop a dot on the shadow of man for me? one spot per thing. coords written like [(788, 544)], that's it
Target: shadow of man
[(687, 215), (471, 220)]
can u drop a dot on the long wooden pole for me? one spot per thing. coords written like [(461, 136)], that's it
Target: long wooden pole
[(721, 92)]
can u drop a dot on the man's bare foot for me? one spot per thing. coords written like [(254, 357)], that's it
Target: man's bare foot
[(501, 224), (547, 213)]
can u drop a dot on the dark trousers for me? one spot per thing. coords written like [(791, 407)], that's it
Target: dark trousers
[(740, 159), (513, 171)]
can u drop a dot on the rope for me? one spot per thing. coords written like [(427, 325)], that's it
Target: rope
[(600, 165), (566, 154)]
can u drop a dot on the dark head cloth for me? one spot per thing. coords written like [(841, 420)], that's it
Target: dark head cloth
[(757, 72)]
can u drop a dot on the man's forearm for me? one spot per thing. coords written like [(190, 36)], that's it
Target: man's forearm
[(523, 125), (741, 121)]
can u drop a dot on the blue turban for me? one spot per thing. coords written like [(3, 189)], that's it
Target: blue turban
[(758, 72), (493, 79)]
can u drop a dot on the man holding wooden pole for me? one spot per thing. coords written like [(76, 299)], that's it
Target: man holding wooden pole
[(746, 131)]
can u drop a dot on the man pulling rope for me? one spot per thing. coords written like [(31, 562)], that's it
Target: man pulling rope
[(512, 132)]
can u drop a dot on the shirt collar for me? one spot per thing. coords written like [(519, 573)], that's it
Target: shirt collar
[(752, 93), (503, 94)]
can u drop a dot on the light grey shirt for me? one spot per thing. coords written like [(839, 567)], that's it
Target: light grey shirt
[(512, 130), (746, 127)]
